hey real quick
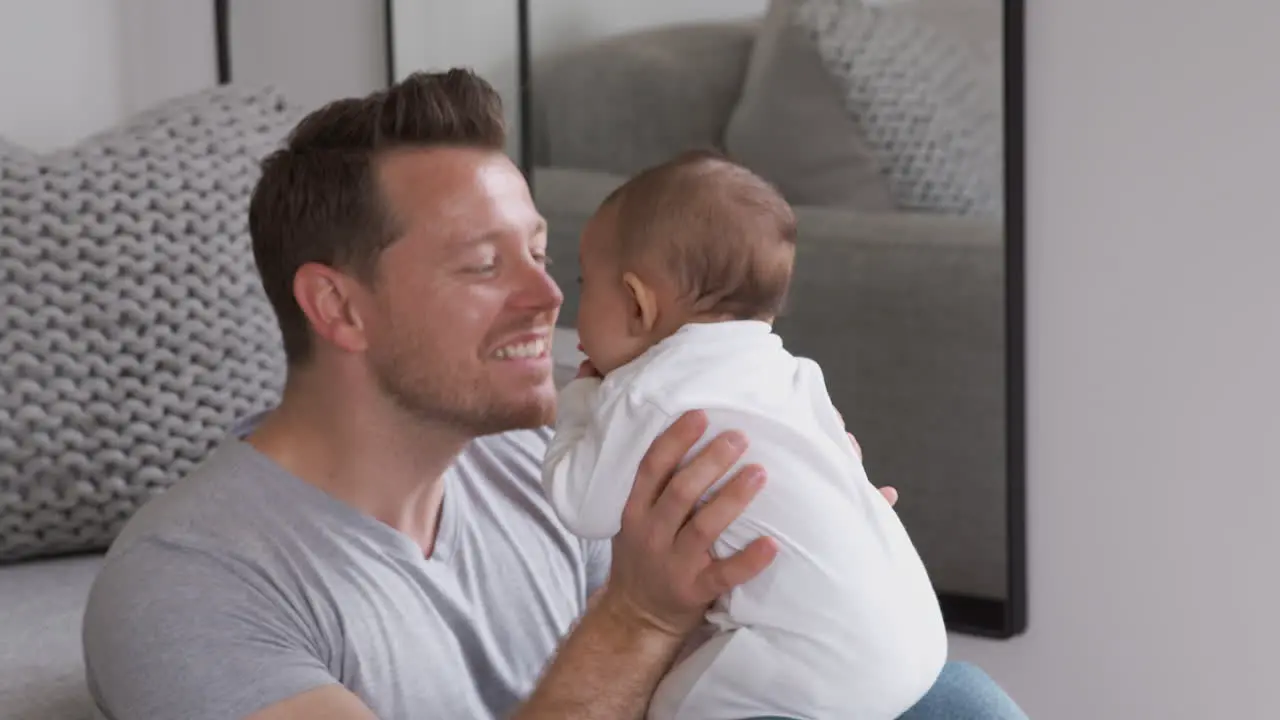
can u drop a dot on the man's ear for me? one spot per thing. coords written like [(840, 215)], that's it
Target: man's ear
[(644, 305), (327, 298)]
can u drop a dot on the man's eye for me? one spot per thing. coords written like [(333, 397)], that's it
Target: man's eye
[(482, 269)]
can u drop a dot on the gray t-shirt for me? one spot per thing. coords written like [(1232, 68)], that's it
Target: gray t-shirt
[(243, 585)]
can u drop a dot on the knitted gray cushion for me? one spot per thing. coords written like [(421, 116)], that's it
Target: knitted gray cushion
[(924, 80), (791, 125), (134, 326)]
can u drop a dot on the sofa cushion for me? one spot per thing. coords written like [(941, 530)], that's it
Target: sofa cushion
[(626, 102), (791, 127), (135, 327), (924, 81), (41, 665)]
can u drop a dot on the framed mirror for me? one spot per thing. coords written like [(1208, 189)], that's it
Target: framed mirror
[(895, 130), (487, 36)]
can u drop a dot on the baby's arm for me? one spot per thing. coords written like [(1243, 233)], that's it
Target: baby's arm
[(592, 460)]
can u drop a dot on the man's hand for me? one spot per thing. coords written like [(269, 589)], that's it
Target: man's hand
[(662, 581), (587, 369), (664, 575), (889, 493)]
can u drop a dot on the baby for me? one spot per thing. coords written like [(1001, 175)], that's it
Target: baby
[(683, 270)]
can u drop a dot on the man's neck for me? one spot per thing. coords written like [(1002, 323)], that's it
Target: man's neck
[(365, 452)]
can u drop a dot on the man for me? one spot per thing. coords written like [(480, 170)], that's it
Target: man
[(377, 545)]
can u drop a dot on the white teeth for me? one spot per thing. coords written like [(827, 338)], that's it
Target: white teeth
[(533, 348)]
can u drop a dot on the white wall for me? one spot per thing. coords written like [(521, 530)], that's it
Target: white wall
[(167, 49), (69, 68), (78, 82), (1154, 363)]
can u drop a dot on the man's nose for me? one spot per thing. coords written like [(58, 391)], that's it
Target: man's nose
[(539, 290)]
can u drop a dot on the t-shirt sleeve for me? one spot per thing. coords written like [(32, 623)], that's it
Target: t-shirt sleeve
[(173, 632)]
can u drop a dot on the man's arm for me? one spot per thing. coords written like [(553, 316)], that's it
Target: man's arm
[(607, 669), (663, 579), (332, 702), (172, 631)]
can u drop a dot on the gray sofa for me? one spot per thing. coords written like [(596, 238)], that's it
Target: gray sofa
[(41, 673), (903, 308)]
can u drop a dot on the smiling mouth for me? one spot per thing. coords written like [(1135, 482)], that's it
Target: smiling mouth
[(522, 350)]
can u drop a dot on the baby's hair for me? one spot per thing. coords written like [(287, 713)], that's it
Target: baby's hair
[(723, 235)]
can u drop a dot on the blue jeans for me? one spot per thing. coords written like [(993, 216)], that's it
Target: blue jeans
[(962, 692)]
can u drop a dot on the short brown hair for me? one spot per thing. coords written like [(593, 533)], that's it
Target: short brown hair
[(722, 233), (318, 199)]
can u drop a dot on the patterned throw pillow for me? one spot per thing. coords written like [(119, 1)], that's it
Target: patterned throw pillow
[(134, 328), (924, 80)]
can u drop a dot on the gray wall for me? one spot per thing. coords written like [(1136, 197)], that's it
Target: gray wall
[(1154, 354)]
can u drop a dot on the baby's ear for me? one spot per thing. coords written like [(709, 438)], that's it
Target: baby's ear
[(643, 305)]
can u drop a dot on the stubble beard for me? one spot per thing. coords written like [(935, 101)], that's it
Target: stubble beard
[(457, 399)]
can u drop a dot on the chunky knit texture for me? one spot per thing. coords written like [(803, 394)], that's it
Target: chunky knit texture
[(923, 80), (135, 329)]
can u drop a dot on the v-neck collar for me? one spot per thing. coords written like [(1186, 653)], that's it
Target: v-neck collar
[(343, 513)]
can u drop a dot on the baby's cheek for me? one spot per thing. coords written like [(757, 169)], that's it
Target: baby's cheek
[(600, 337), (596, 336)]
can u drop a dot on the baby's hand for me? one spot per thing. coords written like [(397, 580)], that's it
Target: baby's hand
[(586, 370)]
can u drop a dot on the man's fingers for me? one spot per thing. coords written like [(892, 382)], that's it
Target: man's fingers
[(721, 576), (890, 494), (705, 527), (663, 457), (586, 369), (681, 495), (856, 447)]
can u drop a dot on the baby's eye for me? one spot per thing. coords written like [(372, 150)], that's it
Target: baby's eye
[(482, 269)]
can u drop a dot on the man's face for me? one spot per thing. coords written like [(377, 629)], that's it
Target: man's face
[(463, 307)]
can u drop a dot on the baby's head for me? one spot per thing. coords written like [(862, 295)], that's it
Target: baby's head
[(695, 239)]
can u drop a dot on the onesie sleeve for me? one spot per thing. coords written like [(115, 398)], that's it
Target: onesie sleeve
[(171, 632), (593, 457)]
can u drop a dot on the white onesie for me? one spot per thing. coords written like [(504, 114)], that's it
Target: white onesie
[(844, 623)]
